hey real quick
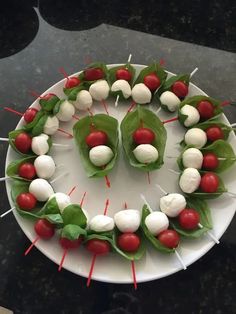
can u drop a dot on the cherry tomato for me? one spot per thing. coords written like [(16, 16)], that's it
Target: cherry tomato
[(72, 82), (23, 142), (96, 138), (48, 96), (123, 74), (27, 171), (189, 218), (93, 74), (98, 247), (209, 182), (214, 133), (169, 238), (210, 161), (205, 109), (143, 136), (152, 81), (128, 242), (70, 244), (26, 201), (30, 114), (180, 89), (44, 229)]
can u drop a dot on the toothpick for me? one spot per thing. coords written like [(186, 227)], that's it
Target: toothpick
[(193, 72), (130, 57), (175, 172), (108, 183), (4, 139), (106, 207), (158, 110), (161, 189), (82, 200), (91, 270), (231, 194), (210, 234), (7, 212), (132, 105), (62, 145), (4, 178), (62, 260), (103, 102), (146, 202), (134, 274), (31, 245), (59, 177), (65, 132), (71, 191), (148, 177), (170, 120), (180, 260), (233, 124), (117, 100)]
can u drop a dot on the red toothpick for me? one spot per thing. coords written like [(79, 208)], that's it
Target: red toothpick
[(105, 106), (71, 191), (148, 177), (90, 112), (125, 205), (62, 260), (170, 120), (82, 200), (63, 72), (35, 94), (134, 274), (88, 60), (162, 62), (225, 103), (13, 111), (31, 245), (75, 117), (106, 207), (108, 183), (133, 104), (65, 132), (91, 270)]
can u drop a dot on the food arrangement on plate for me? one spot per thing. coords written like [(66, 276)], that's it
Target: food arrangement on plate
[(205, 154)]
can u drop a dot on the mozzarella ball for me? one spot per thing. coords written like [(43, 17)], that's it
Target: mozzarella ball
[(196, 137), (128, 220), (66, 111), (83, 101), (62, 200), (123, 86), (156, 222), (44, 166), (51, 125), (172, 204), (99, 90), (192, 114), (41, 189), (40, 144), (146, 153), (100, 155), (192, 158), (170, 100), (141, 94), (101, 223), (189, 180)]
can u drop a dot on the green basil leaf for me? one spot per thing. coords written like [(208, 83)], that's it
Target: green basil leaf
[(74, 215), (12, 135), (72, 232), (56, 109), (112, 72), (130, 124), (169, 82), (100, 236), (50, 207), (81, 129), (13, 167), (215, 122), (29, 126), (72, 93), (99, 65), (39, 126), (55, 219), (48, 105)]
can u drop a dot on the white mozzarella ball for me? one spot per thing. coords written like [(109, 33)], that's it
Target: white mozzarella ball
[(170, 100), (128, 220), (66, 111), (41, 189), (189, 180), (196, 137), (100, 155), (156, 222), (62, 200), (51, 125), (101, 223), (141, 94), (172, 204), (146, 153), (99, 90), (192, 158), (40, 145), (83, 101), (123, 86), (44, 166), (192, 114)]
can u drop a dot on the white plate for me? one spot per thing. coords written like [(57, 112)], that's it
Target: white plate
[(126, 185)]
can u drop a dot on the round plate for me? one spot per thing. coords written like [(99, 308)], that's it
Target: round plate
[(126, 185)]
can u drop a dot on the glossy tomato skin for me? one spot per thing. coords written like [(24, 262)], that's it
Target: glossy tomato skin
[(48, 96), (143, 136), (152, 81), (209, 182), (27, 171), (210, 161), (169, 238), (98, 247), (23, 142), (44, 229), (70, 244), (123, 74), (26, 201), (96, 138), (214, 133), (205, 109), (189, 219), (72, 82), (30, 114), (93, 74), (128, 242), (180, 89)]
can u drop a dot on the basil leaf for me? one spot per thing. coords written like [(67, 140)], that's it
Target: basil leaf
[(205, 219), (12, 135), (72, 232), (215, 122), (56, 109), (73, 92), (13, 167), (99, 65), (50, 207), (29, 126), (169, 82), (150, 237), (112, 73), (130, 124), (55, 219), (74, 215), (48, 105), (81, 130), (100, 236), (39, 126)]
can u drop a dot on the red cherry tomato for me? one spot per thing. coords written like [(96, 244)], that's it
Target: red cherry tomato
[(70, 244), (209, 182), (180, 89), (214, 133), (72, 82), (30, 114), (26, 201), (44, 229), (27, 171), (48, 96), (98, 247), (143, 136), (23, 142), (152, 81), (128, 242), (169, 238), (123, 74), (93, 74), (210, 161), (96, 138), (189, 219), (205, 109)]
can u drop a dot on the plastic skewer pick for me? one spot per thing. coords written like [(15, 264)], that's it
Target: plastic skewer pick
[(193, 72), (63, 259), (180, 260), (134, 274), (32, 245), (132, 105), (71, 191), (146, 202), (59, 177), (7, 212), (4, 139), (210, 234), (161, 189), (4, 178), (103, 102), (82, 200)]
